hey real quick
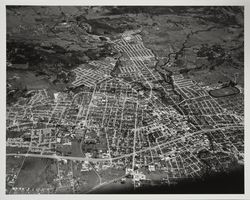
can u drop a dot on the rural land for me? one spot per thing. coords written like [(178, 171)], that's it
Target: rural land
[(116, 99)]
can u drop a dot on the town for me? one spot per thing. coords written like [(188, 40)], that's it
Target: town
[(117, 124)]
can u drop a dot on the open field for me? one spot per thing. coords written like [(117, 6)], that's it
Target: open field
[(36, 172), (88, 180), (27, 79)]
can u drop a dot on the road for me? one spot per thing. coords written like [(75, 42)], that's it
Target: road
[(54, 156)]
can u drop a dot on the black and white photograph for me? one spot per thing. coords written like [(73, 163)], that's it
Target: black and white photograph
[(124, 99)]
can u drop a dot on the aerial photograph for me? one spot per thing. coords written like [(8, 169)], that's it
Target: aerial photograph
[(124, 100)]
